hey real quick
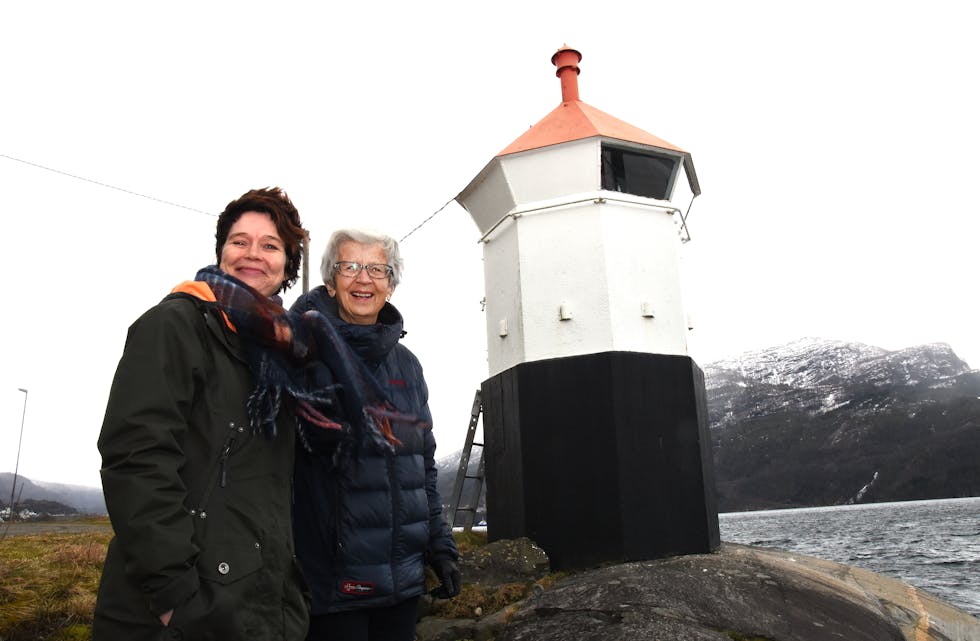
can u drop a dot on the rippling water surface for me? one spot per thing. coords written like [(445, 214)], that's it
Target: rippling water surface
[(932, 545)]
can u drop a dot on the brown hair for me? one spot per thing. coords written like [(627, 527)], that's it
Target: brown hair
[(274, 202)]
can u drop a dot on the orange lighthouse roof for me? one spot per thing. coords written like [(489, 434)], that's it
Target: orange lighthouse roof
[(574, 119)]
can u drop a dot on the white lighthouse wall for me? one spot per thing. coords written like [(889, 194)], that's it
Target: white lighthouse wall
[(488, 198), (643, 278), (502, 276), (563, 269), (510, 182), (554, 172), (582, 279)]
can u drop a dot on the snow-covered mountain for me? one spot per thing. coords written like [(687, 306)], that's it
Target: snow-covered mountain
[(818, 422), (822, 422), (821, 376), (814, 361)]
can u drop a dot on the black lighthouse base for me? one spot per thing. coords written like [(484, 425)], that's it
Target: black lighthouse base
[(601, 458)]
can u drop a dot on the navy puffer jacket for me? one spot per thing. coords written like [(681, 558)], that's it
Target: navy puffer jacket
[(364, 541)]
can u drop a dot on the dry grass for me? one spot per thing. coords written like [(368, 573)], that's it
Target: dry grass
[(468, 539), (48, 584), (475, 600)]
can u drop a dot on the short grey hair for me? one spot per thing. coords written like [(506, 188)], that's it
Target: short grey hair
[(364, 237)]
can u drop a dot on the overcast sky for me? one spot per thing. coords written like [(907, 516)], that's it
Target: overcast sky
[(836, 146)]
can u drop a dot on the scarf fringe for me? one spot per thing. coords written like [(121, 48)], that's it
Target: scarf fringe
[(263, 407)]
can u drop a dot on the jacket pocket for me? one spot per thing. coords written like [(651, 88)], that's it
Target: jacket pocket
[(225, 564), (219, 608)]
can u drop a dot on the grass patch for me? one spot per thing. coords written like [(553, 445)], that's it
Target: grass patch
[(48, 584), (467, 540), (478, 601)]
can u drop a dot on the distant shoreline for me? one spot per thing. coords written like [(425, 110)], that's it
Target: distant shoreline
[(60, 526)]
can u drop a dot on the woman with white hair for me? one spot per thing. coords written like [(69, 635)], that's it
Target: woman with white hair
[(368, 517)]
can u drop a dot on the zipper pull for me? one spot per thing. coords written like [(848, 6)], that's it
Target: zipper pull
[(224, 458), (224, 471)]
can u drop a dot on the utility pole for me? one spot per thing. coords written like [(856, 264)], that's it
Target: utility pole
[(13, 485), (306, 264)]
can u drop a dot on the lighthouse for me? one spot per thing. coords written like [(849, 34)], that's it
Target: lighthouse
[(594, 415)]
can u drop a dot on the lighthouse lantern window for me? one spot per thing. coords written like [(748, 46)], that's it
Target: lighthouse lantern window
[(639, 173)]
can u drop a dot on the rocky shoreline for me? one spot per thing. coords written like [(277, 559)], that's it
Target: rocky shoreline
[(739, 592)]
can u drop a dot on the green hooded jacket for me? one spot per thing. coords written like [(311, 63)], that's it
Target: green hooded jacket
[(201, 507)]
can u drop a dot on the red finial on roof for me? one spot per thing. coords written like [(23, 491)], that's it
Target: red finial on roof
[(567, 59)]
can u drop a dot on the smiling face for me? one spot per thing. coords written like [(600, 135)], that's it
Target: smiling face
[(254, 253), (359, 299)]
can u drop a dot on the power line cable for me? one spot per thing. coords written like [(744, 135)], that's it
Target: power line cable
[(102, 184), (173, 204), (419, 226)]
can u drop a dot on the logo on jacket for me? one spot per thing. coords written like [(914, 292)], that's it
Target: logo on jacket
[(359, 588), (397, 382)]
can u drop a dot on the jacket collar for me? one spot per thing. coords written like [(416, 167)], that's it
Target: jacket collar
[(373, 342)]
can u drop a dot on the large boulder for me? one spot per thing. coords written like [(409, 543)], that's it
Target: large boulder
[(713, 597), (739, 592)]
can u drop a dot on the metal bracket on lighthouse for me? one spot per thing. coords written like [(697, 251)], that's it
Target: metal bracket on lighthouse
[(596, 200)]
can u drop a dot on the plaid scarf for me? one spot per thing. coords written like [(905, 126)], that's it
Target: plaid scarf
[(302, 360)]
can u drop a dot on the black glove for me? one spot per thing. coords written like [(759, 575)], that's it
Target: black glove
[(450, 580)]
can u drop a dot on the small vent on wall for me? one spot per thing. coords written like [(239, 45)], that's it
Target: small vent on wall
[(564, 311)]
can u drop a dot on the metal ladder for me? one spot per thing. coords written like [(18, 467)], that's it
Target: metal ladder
[(455, 506)]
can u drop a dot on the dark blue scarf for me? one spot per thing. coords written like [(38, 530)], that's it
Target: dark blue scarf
[(372, 343), (302, 360)]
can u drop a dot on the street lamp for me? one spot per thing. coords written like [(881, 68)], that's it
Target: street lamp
[(13, 486)]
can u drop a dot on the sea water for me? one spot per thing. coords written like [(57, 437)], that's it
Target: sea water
[(931, 545)]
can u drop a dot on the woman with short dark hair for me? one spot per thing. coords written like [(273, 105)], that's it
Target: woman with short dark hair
[(198, 446)]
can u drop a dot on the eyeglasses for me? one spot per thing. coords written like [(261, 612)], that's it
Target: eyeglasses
[(351, 269)]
